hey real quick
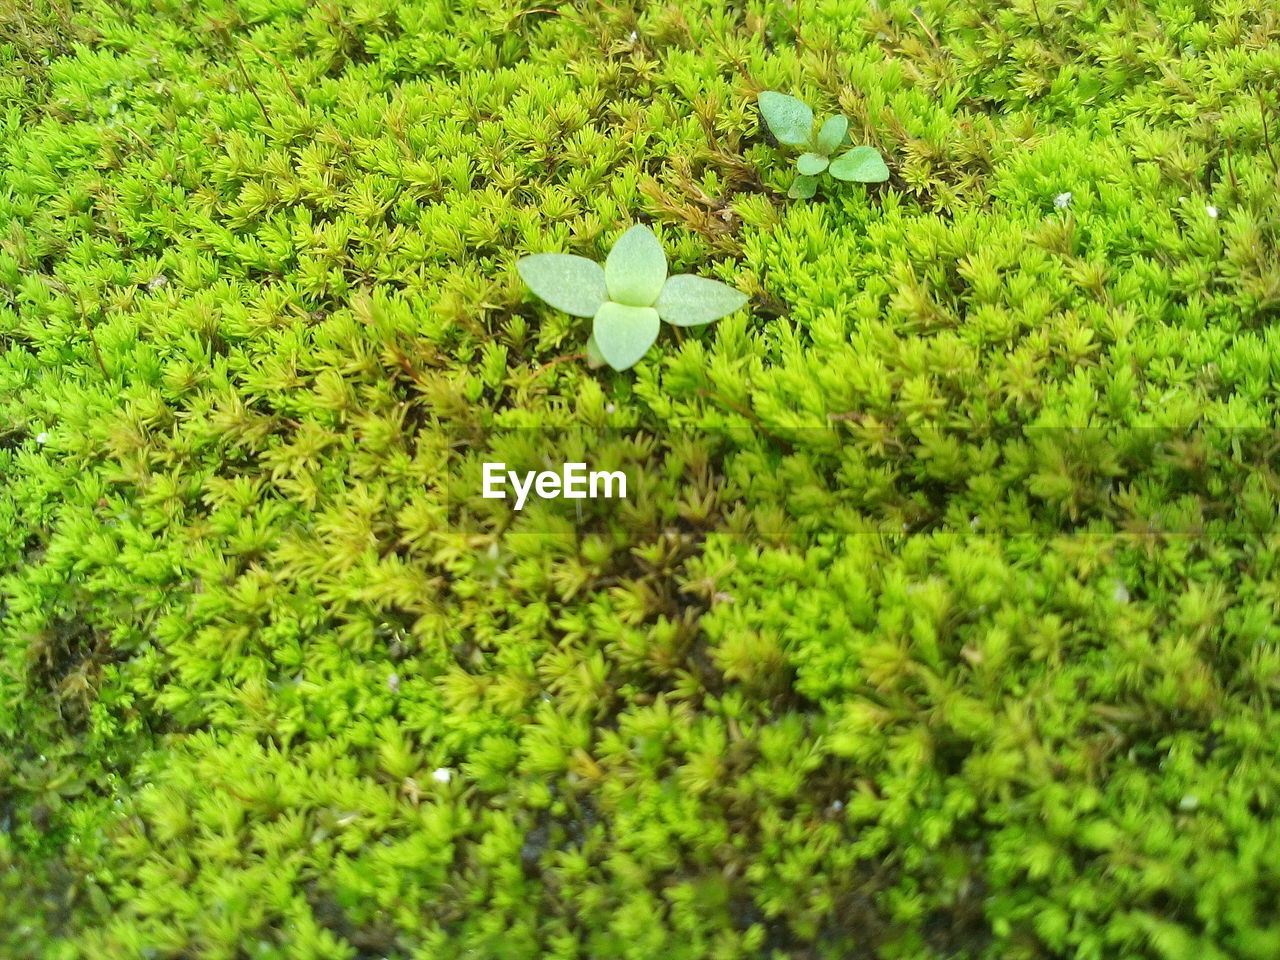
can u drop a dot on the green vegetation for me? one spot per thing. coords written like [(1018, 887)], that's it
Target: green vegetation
[(628, 296), (940, 621), (791, 122)]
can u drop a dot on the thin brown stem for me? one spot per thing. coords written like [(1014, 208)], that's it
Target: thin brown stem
[(406, 366), (93, 339), (739, 408), (794, 26), (1035, 9), (525, 13), (930, 34), (564, 359), (737, 62), (1266, 132), (1231, 173), (137, 136), (279, 68), (231, 45), (84, 318)]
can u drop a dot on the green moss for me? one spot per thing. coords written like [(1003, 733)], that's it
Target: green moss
[(940, 624)]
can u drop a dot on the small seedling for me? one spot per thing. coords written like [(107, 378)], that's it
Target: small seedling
[(627, 296), (791, 121)]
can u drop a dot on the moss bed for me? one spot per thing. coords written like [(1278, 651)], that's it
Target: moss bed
[(941, 619)]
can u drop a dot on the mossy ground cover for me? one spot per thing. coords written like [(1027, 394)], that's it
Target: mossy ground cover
[(941, 621)]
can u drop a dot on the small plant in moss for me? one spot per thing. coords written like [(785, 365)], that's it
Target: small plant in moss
[(628, 296), (791, 121)]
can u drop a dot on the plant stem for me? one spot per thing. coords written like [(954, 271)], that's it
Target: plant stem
[(231, 45), (930, 34), (1035, 8), (279, 68), (93, 339), (724, 48), (84, 318), (564, 359), (1266, 132)]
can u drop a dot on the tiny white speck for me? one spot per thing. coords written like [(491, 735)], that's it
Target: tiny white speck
[(1121, 593), (1189, 802), (975, 522), (1062, 200), (1211, 210), (837, 806), (610, 408), (635, 35), (393, 682), (442, 775), (42, 436)]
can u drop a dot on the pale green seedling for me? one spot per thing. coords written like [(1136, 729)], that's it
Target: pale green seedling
[(792, 122), (628, 296)]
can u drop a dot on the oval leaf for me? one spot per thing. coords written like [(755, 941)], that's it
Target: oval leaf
[(636, 268), (688, 301), (811, 164), (802, 188), (863, 164), (832, 134), (594, 358), (790, 120), (624, 334), (568, 282)]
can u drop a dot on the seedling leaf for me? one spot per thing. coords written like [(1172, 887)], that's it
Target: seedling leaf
[(863, 164), (811, 164), (689, 301), (595, 359), (635, 269), (831, 135), (624, 334), (802, 187), (567, 282), (790, 119)]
